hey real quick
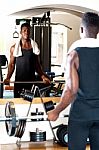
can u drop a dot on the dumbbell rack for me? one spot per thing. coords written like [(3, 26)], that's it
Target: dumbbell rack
[(27, 95), (20, 129)]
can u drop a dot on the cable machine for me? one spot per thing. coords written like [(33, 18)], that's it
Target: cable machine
[(41, 33), (3, 65)]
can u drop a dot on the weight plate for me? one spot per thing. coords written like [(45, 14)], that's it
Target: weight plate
[(20, 128), (10, 113), (62, 135), (48, 106), (38, 136)]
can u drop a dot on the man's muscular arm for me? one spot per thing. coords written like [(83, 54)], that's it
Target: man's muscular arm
[(11, 65), (39, 70), (71, 87)]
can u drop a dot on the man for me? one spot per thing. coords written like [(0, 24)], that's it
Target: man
[(24, 55), (82, 87)]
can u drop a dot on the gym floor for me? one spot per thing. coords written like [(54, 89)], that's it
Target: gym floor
[(47, 145)]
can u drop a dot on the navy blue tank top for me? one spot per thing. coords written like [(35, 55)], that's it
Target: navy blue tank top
[(25, 66), (86, 104)]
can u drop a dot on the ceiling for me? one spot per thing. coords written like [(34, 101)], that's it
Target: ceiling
[(27, 8), (62, 8)]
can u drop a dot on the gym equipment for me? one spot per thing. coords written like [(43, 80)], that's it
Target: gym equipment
[(62, 134), (48, 106), (37, 113), (36, 89), (20, 128), (10, 113), (15, 33), (38, 119), (56, 91), (41, 33), (34, 82), (3, 65), (27, 82), (3, 61), (51, 86), (38, 136), (27, 95), (1, 85), (16, 125)]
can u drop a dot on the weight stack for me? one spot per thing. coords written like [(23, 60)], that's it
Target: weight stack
[(38, 136)]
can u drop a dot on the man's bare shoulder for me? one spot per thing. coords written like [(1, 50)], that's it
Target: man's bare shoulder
[(12, 47), (72, 54), (73, 58)]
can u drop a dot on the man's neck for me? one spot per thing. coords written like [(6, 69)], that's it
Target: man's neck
[(26, 43)]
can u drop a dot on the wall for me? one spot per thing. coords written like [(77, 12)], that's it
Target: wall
[(71, 21)]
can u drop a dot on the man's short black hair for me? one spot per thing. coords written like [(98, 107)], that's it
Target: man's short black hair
[(90, 19), (25, 25)]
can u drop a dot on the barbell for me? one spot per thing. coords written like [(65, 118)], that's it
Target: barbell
[(16, 118), (2, 83), (15, 126), (34, 82), (13, 122)]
